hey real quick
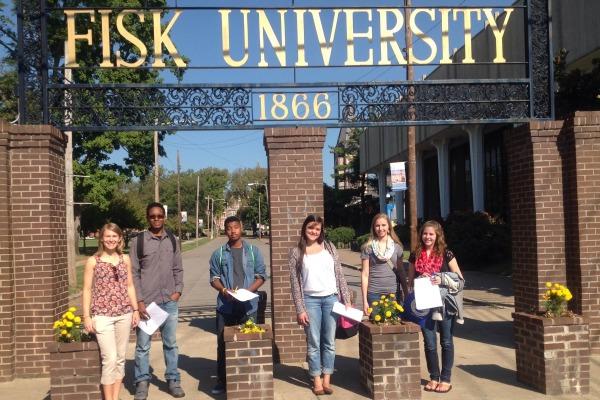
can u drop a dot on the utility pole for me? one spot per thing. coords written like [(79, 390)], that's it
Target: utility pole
[(197, 205), (209, 214), (411, 131), (72, 242), (259, 225), (178, 201), (156, 171)]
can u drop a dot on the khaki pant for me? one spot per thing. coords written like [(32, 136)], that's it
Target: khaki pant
[(113, 335)]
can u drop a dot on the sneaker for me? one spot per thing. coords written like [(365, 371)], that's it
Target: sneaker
[(175, 389), (218, 389), (141, 390)]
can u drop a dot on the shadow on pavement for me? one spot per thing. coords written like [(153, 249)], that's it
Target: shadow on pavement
[(292, 374), (497, 333), (494, 373), (349, 369), (207, 324), (202, 370), (129, 383)]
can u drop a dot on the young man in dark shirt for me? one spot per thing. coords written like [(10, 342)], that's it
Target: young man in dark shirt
[(236, 264), (157, 277)]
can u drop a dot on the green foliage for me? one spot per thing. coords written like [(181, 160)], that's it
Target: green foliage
[(477, 239), (341, 236), (249, 195), (359, 242), (576, 90)]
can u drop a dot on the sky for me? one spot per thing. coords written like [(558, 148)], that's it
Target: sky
[(197, 35)]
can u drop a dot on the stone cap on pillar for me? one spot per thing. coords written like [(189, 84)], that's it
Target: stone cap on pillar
[(294, 138), (540, 320), (232, 334)]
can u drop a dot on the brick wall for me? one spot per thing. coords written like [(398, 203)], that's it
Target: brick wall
[(75, 370), (295, 190), (587, 263), (536, 203), (389, 358), (555, 213), (33, 264), (249, 364), (553, 353)]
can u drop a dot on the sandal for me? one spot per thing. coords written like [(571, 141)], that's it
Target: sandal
[(319, 392), (431, 386), (443, 387), (327, 390)]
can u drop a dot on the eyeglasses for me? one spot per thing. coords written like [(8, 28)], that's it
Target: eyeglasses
[(156, 216)]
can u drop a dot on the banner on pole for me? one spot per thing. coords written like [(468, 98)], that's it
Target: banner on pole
[(398, 172)]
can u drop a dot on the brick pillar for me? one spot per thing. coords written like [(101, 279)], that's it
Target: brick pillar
[(33, 264), (249, 364), (536, 205), (390, 360), (7, 295), (75, 371), (585, 235), (295, 190)]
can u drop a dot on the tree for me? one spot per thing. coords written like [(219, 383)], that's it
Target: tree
[(576, 90), (249, 196), (8, 70)]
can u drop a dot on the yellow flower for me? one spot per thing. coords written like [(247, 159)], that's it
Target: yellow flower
[(68, 335), (399, 308), (63, 332), (64, 321), (556, 286), (392, 295), (548, 293), (378, 318), (388, 314), (375, 304), (249, 323), (56, 324), (77, 320), (69, 324), (383, 297), (548, 285), (369, 310), (70, 315), (73, 309)]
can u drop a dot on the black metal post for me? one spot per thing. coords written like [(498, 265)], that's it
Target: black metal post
[(44, 60), (21, 91)]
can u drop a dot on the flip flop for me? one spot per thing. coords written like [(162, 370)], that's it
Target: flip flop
[(447, 385), (431, 386)]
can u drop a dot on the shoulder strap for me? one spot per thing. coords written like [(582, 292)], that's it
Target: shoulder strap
[(140, 245), (173, 240)]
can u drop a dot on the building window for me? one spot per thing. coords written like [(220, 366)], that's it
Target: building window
[(461, 191), (495, 174)]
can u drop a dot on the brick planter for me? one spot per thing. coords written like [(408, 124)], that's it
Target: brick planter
[(249, 363), (553, 354), (390, 360), (75, 370)]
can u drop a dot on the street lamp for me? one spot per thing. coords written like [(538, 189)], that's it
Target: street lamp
[(267, 194)]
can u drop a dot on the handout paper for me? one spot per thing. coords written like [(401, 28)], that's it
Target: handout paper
[(157, 317), (352, 313), (242, 294), (427, 295)]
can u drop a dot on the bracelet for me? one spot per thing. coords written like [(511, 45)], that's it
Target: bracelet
[(224, 290)]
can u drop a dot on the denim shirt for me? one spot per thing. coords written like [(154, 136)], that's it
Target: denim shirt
[(221, 267)]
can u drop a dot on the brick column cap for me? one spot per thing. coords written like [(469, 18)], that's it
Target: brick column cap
[(404, 327), (539, 319), (232, 334), (61, 347)]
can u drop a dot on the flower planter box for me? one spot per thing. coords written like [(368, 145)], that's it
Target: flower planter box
[(75, 370), (553, 354), (249, 363), (390, 360)]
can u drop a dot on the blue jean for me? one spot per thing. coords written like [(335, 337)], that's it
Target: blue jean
[(170, 349), (446, 328), (320, 334)]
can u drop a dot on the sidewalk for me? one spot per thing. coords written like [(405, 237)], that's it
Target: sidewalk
[(484, 365)]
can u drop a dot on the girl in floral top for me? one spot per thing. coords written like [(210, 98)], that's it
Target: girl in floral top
[(429, 258), (108, 306)]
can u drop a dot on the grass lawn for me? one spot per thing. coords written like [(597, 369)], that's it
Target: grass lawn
[(91, 245)]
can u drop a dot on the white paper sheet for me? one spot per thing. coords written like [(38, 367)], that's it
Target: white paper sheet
[(157, 317), (352, 313), (242, 294), (427, 295)]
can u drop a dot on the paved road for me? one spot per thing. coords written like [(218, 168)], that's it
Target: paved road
[(484, 363)]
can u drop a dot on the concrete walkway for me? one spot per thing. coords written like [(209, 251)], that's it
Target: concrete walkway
[(484, 355)]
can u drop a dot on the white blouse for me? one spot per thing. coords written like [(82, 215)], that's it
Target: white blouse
[(318, 275)]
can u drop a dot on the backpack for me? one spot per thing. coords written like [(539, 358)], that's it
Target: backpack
[(140, 243)]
